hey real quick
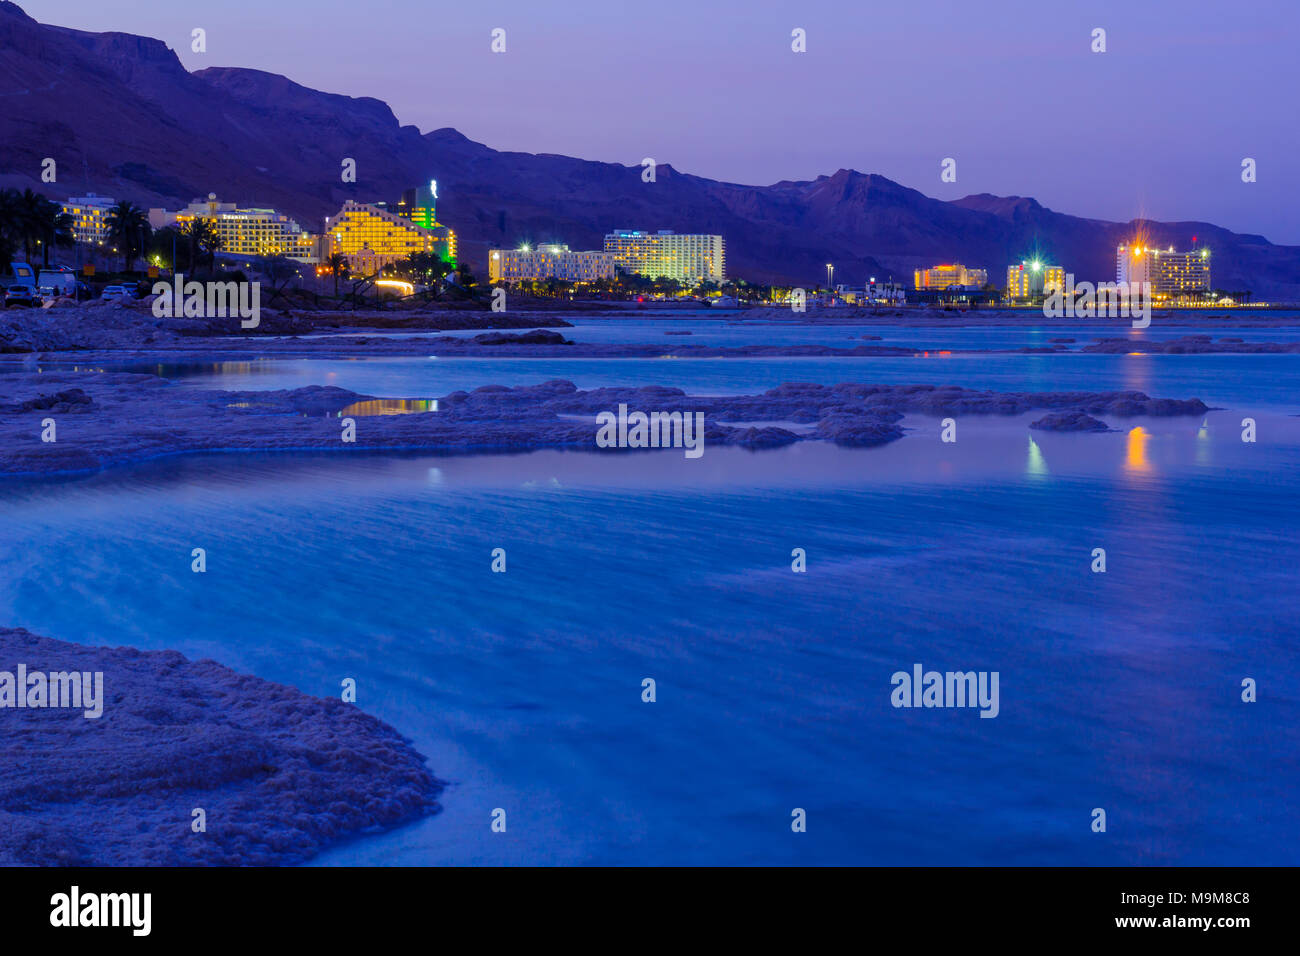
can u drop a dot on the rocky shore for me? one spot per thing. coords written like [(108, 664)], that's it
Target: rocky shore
[(125, 330), (97, 419), (1191, 345), (278, 775)]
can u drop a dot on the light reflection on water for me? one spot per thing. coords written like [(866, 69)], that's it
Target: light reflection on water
[(1237, 381), (1135, 459), (389, 406), (1118, 689)]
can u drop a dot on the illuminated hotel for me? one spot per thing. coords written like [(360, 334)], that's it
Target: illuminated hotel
[(373, 237), (1028, 279), (244, 232), (1170, 273), (550, 261), (89, 217), (688, 258), (950, 274)]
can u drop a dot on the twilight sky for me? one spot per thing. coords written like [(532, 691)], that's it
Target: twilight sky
[(1158, 125)]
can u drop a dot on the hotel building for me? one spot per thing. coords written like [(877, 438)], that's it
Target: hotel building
[(1170, 273), (373, 237), (244, 232), (688, 258), (550, 261), (950, 274), (89, 214), (1028, 279)]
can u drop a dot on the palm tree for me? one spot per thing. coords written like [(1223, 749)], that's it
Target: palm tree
[(31, 206), (195, 231), (212, 246), (203, 241), (10, 225), (128, 225), (55, 228), (465, 276), (338, 263)]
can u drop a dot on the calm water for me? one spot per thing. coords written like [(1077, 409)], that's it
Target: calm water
[(1246, 381), (523, 689), (707, 328), (1118, 690)]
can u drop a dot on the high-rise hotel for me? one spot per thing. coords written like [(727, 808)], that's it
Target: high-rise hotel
[(372, 237), (244, 231), (1032, 278), (1170, 273), (950, 274), (89, 217), (690, 258)]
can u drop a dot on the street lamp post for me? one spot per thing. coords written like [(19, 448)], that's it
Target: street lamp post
[(830, 276)]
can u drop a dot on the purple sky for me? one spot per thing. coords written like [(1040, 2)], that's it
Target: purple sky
[(1158, 125)]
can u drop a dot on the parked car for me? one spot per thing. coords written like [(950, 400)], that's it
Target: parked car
[(116, 292), (21, 295), (57, 281)]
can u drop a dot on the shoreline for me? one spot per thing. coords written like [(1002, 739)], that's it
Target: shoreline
[(121, 332), (280, 775), (105, 419)]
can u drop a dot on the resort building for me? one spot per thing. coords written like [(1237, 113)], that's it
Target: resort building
[(89, 217), (1028, 279), (244, 231), (873, 293), (687, 257), (372, 237), (950, 274), (549, 261), (1170, 273), (420, 205)]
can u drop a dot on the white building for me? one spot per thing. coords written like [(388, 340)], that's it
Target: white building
[(549, 261), (89, 214), (1170, 273), (244, 232), (873, 293), (690, 258)]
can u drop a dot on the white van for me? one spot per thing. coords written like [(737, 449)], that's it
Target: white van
[(58, 281)]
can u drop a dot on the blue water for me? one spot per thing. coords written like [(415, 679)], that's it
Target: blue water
[(762, 327), (1271, 381), (1118, 690)]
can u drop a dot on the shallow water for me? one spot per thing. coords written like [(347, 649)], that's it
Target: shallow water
[(1118, 690), (1248, 381), (762, 327)]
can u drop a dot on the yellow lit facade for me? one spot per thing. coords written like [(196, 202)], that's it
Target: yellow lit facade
[(688, 258), (244, 232), (1170, 273), (372, 237), (89, 217), (1028, 279), (950, 274)]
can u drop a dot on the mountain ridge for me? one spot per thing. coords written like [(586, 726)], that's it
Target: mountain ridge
[(123, 117)]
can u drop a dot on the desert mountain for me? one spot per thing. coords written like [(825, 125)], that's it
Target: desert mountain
[(122, 117)]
